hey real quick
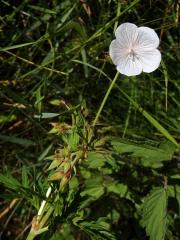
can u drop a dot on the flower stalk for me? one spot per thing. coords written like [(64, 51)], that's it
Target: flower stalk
[(105, 99)]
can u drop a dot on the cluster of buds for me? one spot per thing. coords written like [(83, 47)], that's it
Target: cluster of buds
[(63, 165)]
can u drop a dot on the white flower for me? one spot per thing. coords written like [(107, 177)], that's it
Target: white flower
[(135, 49)]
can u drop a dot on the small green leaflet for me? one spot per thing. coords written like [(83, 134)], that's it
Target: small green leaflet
[(154, 214)]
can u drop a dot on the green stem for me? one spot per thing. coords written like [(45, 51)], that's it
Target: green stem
[(46, 217), (129, 111), (31, 236), (43, 203), (105, 99)]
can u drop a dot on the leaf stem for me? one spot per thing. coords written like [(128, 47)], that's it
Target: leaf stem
[(105, 99)]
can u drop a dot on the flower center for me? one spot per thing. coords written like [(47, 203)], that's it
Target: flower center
[(132, 54)]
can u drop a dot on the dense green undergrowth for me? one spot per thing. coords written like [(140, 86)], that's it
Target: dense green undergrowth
[(114, 178)]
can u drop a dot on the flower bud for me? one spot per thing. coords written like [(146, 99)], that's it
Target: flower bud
[(59, 174), (65, 179)]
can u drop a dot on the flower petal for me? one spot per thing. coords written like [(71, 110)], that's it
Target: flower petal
[(150, 60), (116, 51), (126, 33), (147, 38), (129, 67)]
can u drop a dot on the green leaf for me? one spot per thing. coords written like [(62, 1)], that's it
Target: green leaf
[(42, 9), (72, 140), (174, 191), (45, 152), (95, 192), (73, 188), (9, 118), (97, 230), (35, 201), (55, 163), (25, 180), (96, 160), (168, 147), (150, 156), (84, 58), (159, 127), (9, 181), (86, 174), (58, 206), (120, 189), (78, 217), (17, 140), (79, 28), (17, 46), (154, 217), (93, 188), (64, 234), (46, 115)]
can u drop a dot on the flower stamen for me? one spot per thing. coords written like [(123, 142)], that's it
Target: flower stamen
[(131, 54)]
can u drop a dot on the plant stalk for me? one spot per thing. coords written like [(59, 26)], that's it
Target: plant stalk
[(105, 99), (31, 236)]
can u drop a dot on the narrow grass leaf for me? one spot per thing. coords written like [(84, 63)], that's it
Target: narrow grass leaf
[(40, 9), (17, 140), (151, 119), (46, 115), (17, 46)]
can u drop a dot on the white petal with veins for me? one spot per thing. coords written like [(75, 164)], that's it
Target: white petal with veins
[(150, 60), (117, 52), (126, 33), (129, 67), (147, 38)]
